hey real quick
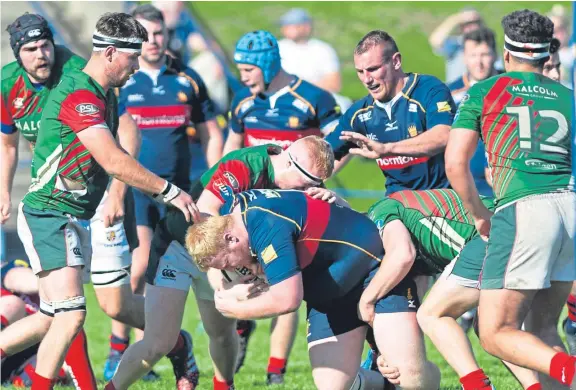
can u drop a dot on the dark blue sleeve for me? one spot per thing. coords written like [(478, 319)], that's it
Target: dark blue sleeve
[(234, 121), (121, 108), (345, 123), (440, 107), (272, 240), (202, 106), (328, 112)]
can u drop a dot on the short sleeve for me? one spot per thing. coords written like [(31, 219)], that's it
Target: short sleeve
[(272, 240), (440, 107), (384, 212), (469, 112), (345, 123), (229, 178), (202, 106), (328, 112), (7, 122), (82, 109)]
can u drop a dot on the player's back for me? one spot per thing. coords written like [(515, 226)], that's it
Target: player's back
[(438, 223), (526, 127), (336, 247)]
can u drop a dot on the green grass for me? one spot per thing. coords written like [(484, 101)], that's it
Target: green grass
[(252, 375)]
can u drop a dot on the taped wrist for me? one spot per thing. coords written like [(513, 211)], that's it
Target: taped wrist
[(169, 192)]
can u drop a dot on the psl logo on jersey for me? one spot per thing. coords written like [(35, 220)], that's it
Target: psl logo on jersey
[(232, 180), (87, 109), (34, 33), (293, 122), (412, 130)]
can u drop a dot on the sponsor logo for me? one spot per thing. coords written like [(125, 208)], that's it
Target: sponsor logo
[(135, 98), (18, 103), (128, 83), (412, 107), (366, 116), (272, 112), (183, 81), (253, 141), (299, 104), (160, 121), (77, 252), (540, 164), (443, 107), (412, 130), (168, 273), (28, 126), (87, 109), (34, 33), (465, 98), (372, 136), (111, 236), (293, 122), (398, 162), (391, 126), (269, 254), (232, 180), (411, 300), (246, 105), (250, 119), (159, 90), (221, 187), (182, 98), (534, 90)]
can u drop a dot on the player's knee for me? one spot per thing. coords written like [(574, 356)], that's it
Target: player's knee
[(487, 339), (158, 347), (73, 310), (426, 377), (425, 318)]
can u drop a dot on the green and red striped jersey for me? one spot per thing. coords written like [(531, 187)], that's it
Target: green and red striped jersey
[(65, 176), (438, 223), (525, 121)]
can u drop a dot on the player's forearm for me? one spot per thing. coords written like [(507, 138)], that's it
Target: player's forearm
[(126, 169), (234, 142), (427, 144), (267, 305), (9, 158), (130, 139), (212, 143), (461, 180), (393, 269)]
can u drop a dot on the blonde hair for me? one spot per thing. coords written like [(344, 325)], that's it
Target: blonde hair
[(206, 239), (321, 155)]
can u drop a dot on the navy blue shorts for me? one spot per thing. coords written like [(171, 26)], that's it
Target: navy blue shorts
[(148, 211), (341, 315)]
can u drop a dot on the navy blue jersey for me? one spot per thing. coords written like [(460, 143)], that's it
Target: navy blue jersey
[(335, 248), (295, 111), (424, 103), (163, 109)]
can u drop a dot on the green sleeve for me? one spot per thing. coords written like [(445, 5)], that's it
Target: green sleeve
[(385, 211), (469, 112)]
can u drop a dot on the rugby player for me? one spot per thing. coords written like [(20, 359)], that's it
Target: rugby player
[(164, 97), (171, 272), (279, 108), (524, 119), (73, 156), (19, 299), (304, 254), (404, 120)]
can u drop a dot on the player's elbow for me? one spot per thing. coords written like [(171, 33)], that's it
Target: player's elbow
[(288, 303), (113, 162)]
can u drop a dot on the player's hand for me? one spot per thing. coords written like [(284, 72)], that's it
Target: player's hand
[(483, 224), (5, 208), (244, 288), (366, 311), (224, 304), (366, 147), (388, 372), (185, 203), (322, 193), (112, 210)]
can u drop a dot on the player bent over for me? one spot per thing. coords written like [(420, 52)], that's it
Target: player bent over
[(171, 271), (524, 119), (299, 245), (73, 156)]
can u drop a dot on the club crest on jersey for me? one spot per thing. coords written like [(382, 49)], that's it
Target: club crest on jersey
[(34, 33), (412, 130), (182, 98), (111, 236), (232, 180), (87, 109), (18, 103), (293, 122)]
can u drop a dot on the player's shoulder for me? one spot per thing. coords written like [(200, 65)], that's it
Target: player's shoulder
[(11, 71), (186, 76), (367, 102), (423, 84), (67, 59), (243, 99), (457, 84)]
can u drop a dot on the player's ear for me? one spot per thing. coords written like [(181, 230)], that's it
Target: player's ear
[(109, 53), (229, 238), (506, 56), (397, 60)]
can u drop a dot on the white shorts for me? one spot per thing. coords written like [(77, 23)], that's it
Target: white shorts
[(177, 270), (111, 257)]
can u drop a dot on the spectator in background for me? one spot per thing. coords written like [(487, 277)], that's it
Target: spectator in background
[(553, 65), (479, 56), (559, 16), (450, 46)]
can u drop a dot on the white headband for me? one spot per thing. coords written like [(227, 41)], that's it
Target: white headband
[(529, 51), (128, 45)]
